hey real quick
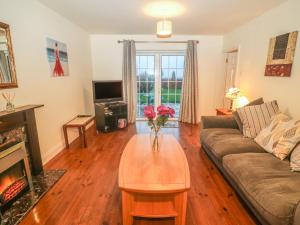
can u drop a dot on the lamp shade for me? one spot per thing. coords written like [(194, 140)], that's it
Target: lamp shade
[(240, 101), (164, 28)]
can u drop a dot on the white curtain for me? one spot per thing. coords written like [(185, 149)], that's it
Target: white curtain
[(129, 78), (189, 106)]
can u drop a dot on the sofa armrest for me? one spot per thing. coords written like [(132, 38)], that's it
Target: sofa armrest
[(218, 122)]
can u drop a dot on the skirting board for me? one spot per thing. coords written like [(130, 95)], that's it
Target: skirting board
[(51, 153)]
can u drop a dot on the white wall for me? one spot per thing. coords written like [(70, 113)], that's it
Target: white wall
[(30, 23), (253, 40), (107, 62)]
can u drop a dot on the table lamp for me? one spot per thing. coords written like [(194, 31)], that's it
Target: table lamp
[(232, 94)]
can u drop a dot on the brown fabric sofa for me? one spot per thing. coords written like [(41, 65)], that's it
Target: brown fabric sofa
[(265, 184)]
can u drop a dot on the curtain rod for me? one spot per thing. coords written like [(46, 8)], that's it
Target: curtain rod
[(161, 42)]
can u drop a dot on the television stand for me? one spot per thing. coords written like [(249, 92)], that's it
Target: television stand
[(110, 116)]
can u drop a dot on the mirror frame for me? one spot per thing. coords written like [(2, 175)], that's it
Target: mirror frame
[(14, 82)]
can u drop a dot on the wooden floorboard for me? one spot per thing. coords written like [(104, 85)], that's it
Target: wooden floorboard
[(88, 193)]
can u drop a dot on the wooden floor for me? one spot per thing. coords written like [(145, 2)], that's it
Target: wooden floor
[(88, 193)]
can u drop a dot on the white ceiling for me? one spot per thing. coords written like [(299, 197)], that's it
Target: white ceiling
[(127, 16)]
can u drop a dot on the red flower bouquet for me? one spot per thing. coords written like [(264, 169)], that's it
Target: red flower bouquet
[(158, 119)]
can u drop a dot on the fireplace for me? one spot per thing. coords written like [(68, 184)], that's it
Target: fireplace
[(19, 154), (24, 117), (13, 182), (15, 175)]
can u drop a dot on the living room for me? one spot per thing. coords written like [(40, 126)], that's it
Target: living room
[(150, 149)]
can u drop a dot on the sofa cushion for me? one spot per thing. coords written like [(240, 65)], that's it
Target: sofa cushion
[(257, 117), (267, 182), (268, 137), (236, 116), (289, 139), (295, 159), (224, 141)]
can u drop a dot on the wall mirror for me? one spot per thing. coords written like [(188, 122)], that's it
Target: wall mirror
[(8, 78)]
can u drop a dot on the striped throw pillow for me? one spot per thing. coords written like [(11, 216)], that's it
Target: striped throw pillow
[(257, 117)]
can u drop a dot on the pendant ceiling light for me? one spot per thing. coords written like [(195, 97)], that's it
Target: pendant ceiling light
[(164, 28), (164, 10)]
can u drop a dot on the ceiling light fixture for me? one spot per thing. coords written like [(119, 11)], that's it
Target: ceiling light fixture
[(164, 28), (164, 9)]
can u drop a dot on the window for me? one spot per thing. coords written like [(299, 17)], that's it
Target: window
[(171, 81), (145, 82), (159, 80)]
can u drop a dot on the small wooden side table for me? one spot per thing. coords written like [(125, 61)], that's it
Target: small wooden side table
[(79, 122), (223, 112)]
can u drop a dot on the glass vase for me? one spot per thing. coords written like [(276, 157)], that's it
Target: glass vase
[(155, 138), (10, 107)]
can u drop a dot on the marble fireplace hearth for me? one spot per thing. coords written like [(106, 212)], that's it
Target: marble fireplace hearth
[(42, 183)]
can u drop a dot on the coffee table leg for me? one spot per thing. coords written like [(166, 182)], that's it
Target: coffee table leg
[(180, 205), (126, 208)]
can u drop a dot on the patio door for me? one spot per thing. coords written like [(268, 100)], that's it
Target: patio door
[(159, 80)]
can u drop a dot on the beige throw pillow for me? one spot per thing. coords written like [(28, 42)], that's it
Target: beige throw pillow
[(289, 139), (257, 117), (268, 137), (295, 159)]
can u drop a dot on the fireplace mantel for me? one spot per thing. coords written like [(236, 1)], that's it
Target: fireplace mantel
[(25, 116), (19, 109)]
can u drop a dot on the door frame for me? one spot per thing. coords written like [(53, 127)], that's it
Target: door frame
[(232, 50), (157, 71)]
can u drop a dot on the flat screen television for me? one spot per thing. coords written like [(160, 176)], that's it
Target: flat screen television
[(107, 91)]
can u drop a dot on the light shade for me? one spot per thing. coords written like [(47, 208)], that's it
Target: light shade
[(164, 28), (240, 101)]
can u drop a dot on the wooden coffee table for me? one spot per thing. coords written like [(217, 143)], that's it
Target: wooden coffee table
[(154, 184)]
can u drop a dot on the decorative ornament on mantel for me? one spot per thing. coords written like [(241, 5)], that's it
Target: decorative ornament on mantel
[(10, 107)]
